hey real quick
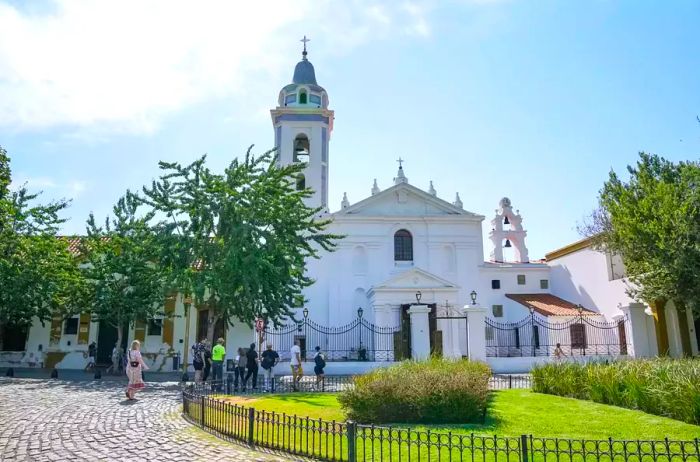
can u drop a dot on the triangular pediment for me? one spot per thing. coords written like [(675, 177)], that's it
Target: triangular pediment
[(415, 278), (404, 200)]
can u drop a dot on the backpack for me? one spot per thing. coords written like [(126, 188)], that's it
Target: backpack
[(319, 361)]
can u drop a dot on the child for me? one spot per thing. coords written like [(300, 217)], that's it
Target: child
[(319, 364)]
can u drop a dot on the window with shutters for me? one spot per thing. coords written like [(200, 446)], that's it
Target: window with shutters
[(403, 246), (71, 326)]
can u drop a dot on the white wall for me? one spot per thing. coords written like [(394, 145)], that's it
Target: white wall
[(582, 277), (508, 275)]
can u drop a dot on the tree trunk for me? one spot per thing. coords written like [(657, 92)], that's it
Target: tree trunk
[(212, 321), (120, 333), (2, 331)]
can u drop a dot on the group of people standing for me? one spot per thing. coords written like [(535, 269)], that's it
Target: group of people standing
[(247, 364)]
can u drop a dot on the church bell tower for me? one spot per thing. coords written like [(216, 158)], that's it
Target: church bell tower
[(303, 125)]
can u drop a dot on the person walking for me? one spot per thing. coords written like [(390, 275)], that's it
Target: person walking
[(40, 356), (239, 369), (92, 352), (270, 358), (252, 366), (218, 353), (319, 365), (295, 363), (559, 354), (134, 370), (207, 361), (198, 350), (116, 357)]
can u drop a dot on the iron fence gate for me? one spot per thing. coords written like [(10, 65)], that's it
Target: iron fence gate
[(580, 335), (359, 340)]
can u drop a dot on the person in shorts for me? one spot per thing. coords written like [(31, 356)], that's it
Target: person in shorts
[(92, 352), (270, 358), (295, 363), (319, 365)]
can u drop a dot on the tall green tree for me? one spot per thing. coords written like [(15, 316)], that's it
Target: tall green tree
[(238, 242), (39, 276), (125, 281), (652, 220)]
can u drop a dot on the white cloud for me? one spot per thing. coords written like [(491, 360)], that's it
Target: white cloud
[(70, 188), (123, 66)]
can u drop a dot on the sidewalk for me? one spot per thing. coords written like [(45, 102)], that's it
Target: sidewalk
[(77, 375)]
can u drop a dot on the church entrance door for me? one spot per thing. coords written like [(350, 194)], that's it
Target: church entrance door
[(402, 339)]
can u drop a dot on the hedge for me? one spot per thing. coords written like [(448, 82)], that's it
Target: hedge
[(432, 391), (665, 387)]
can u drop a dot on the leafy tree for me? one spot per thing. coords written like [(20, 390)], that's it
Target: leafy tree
[(38, 274), (238, 241), (653, 222), (125, 281)]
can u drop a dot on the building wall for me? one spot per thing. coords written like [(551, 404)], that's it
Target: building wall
[(582, 277), (507, 274)]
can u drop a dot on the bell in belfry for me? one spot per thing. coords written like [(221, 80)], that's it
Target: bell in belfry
[(508, 244)]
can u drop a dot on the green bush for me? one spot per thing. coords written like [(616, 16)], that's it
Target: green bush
[(666, 387), (432, 391)]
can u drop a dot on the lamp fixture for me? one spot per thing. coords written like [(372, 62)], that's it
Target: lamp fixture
[(473, 296)]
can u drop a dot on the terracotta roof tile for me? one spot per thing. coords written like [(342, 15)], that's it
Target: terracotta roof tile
[(549, 305)]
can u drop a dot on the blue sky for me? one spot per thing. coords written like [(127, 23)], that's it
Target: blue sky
[(534, 100)]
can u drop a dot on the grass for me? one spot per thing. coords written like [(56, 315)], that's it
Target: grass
[(511, 413)]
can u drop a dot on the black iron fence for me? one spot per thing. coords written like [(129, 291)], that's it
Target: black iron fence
[(582, 335), (348, 441), (359, 340), (328, 384)]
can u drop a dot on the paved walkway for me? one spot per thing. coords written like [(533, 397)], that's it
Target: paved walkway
[(62, 421)]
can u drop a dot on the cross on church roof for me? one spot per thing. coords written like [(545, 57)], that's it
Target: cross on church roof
[(304, 40), (400, 161)]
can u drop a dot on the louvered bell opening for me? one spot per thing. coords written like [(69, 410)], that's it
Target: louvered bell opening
[(508, 245)]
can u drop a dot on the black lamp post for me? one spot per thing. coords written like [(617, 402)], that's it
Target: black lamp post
[(473, 296), (305, 312), (359, 312), (361, 354), (418, 296)]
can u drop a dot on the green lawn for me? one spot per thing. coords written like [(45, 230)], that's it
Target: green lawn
[(512, 413)]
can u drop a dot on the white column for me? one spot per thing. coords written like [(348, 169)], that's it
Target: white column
[(454, 350), (476, 332), (420, 332), (638, 336)]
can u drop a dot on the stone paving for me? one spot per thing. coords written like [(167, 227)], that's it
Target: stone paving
[(93, 421)]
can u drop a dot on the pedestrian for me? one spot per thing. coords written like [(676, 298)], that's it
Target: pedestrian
[(559, 354), (207, 361), (319, 364), (252, 366), (239, 369), (40, 356), (295, 363), (31, 359), (114, 367), (218, 354), (134, 370), (198, 359), (270, 358), (92, 352)]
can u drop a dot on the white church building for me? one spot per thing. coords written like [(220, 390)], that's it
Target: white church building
[(410, 275)]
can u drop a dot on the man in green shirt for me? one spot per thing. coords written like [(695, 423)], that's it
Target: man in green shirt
[(218, 354)]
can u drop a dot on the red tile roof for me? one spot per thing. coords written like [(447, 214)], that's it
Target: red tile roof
[(549, 305)]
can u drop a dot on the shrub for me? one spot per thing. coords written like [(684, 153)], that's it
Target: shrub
[(666, 387), (432, 391)]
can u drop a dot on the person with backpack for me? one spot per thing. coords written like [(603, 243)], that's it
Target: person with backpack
[(198, 356), (270, 358), (319, 365)]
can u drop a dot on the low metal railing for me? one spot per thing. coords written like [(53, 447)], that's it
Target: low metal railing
[(349, 441)]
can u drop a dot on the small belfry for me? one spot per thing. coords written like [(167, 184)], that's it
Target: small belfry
[(507, 232), (303, 125)]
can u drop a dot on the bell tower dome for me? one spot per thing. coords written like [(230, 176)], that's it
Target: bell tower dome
[(303, 125), (506, 232)]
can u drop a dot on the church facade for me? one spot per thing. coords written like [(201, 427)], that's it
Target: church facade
[(404, 247)]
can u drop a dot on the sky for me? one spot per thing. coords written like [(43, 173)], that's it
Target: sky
[(534, 100)]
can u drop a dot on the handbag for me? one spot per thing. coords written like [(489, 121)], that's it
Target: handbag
[(132, 363)]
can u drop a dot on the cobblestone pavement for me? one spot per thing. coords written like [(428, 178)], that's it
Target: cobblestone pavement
[(62, 421)]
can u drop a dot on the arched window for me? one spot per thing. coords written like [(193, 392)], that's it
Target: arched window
[(301, 148), (302, 97), (301, 182), (403, 246)]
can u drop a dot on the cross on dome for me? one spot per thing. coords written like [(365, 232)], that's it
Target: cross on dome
[(304, 40), (400, 161)]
